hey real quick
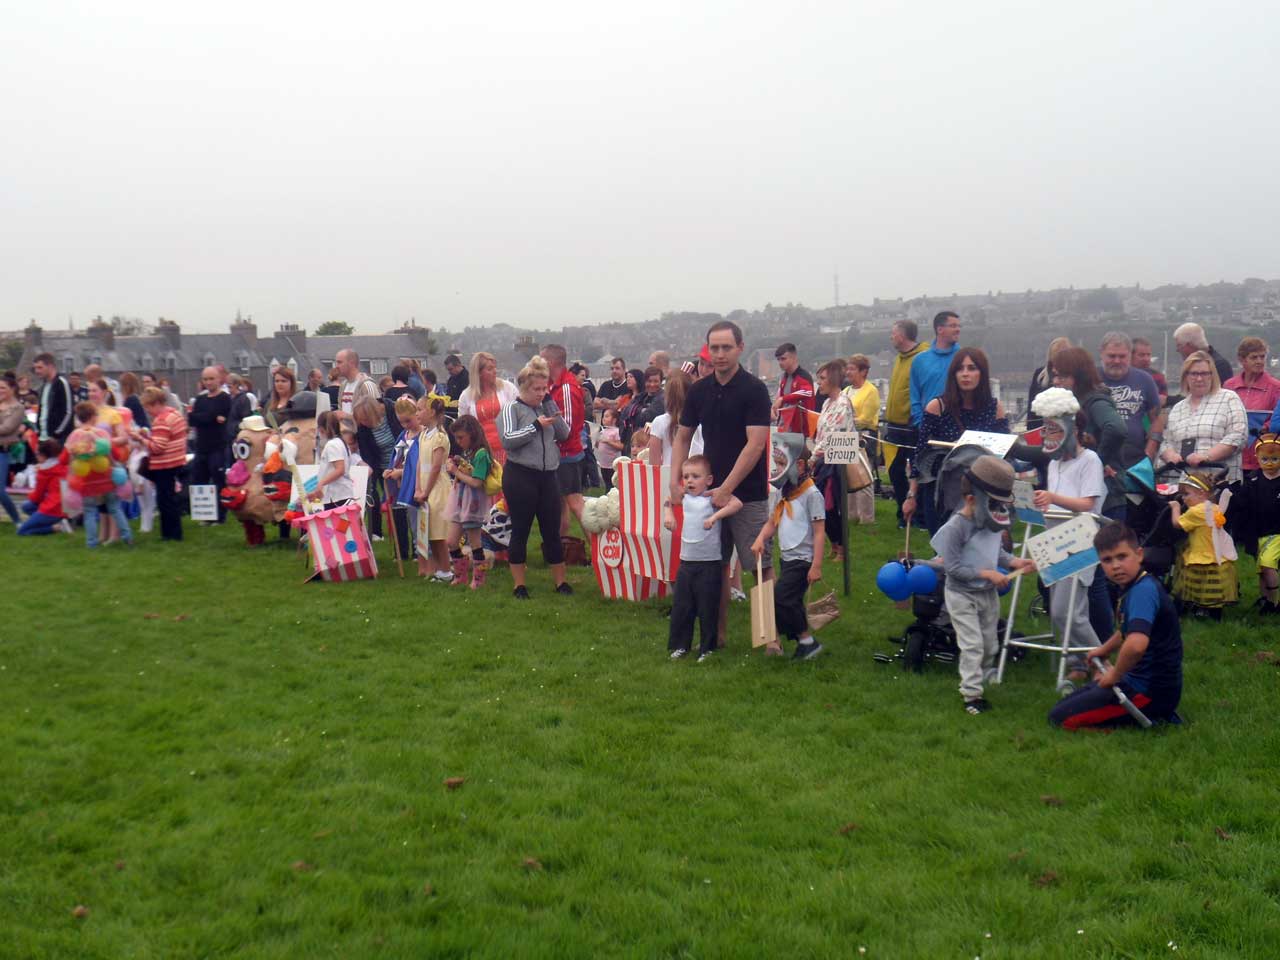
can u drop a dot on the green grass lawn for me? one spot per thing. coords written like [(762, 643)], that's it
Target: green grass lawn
[(219, 761)]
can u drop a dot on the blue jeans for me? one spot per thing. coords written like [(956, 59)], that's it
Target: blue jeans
[(114, 508), (37, 523), (5, 502)]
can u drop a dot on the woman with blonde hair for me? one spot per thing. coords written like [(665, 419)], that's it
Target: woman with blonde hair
[(485, 398), (663, 427), (530, 429), (1209, 424)]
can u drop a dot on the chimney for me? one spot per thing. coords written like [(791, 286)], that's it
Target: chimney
[(34, 336), (292, 340), (104, 333), (171, 332), (247, 331)]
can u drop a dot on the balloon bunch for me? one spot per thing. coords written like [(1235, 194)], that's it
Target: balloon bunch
[(92, 471), (897, 581)]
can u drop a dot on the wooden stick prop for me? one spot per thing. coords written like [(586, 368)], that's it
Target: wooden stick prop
[(395, 533)]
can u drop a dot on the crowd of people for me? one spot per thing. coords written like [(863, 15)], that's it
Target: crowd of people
[(443, 454)]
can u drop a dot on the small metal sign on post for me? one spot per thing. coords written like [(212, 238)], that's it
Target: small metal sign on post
[(841, 449), (204, 502)]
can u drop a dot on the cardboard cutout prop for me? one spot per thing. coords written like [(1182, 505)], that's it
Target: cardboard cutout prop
[(340, 548)]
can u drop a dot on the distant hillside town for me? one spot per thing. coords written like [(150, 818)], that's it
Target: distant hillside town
[(1013, 327)]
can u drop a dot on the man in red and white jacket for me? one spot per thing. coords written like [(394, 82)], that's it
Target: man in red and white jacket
[(796, 394), (565, 390)]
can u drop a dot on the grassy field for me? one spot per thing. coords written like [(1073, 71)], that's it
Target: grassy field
[(216, 760)]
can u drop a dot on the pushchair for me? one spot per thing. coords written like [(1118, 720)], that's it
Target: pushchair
[(931, 637)]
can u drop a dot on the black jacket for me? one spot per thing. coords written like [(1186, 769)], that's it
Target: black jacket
[(56, 408)]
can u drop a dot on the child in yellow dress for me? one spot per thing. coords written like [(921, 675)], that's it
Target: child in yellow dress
[(431, 492), (1204, 579)]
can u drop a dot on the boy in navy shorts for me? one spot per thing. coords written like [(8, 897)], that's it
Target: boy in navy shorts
[(1147, 644)]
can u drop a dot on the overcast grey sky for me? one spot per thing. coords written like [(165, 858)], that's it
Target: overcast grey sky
[(579, 162)]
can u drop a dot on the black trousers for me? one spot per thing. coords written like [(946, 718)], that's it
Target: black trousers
[(788, 598), (532, 494), (697, 596), (606, 474), (168, 503), (898, 477), (211, 468), (376, 494), (834, 524)]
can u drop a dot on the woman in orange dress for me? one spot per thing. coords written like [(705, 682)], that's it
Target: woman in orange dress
[(485, 398)]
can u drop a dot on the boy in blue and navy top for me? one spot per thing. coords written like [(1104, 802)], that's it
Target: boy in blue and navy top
[(1147, 644)]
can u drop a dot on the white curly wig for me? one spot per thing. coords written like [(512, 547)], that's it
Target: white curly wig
[(1055, 403)]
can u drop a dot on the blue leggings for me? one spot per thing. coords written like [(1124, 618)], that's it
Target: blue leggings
[(116, 510)]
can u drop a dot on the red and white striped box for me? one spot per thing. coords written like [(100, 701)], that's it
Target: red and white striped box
[(616, 580), (652, 551), (340, 548)]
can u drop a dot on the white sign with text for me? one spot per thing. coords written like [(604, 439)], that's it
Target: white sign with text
[(841, 447), (204, 502)]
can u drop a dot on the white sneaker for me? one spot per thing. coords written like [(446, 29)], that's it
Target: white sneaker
[(677, 654), (736, 594), (65, 527), (442, 576), (376, 538)]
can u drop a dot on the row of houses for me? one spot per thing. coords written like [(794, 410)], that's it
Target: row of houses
[(179, 356)]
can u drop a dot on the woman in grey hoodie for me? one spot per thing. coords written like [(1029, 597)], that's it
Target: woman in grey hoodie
[(530, 428)]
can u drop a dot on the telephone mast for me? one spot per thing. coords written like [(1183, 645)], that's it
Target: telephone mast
[(836, 281)]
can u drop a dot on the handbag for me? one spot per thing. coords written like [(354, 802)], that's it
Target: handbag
[(858, 475), (493, 480)]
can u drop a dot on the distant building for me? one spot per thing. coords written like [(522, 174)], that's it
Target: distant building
[(180, 357)]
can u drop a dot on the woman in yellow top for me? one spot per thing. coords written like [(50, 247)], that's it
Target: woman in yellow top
[(865, 399), (1204, 579), (431, 491), (862, 393)]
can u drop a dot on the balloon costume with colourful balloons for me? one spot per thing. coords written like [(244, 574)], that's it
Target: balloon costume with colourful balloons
[(95, 463)]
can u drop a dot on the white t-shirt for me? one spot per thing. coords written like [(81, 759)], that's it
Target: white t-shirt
[(335, 451), (660, 427), (353, 390), (795, 531), (696, 542), (1081, 476)]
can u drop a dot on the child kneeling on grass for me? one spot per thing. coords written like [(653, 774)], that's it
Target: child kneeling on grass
[(799, 518), (698, 581), (1147, 644), (44, 507), (970, 544)]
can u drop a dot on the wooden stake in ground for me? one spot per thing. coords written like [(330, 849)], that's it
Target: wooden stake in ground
[(395, 534)]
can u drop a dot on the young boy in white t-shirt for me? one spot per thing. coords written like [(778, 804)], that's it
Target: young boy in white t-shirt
[(798, 515), (697, 589), (1076, 483)]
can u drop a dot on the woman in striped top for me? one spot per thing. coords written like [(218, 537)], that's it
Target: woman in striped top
[(166, 443)]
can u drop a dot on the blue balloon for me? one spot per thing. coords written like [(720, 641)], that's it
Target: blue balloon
[(922, 578), (892, 581), (1001, 591), (119, 475)]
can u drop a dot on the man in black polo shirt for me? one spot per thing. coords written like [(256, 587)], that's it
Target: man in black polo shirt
[(734, 411)]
